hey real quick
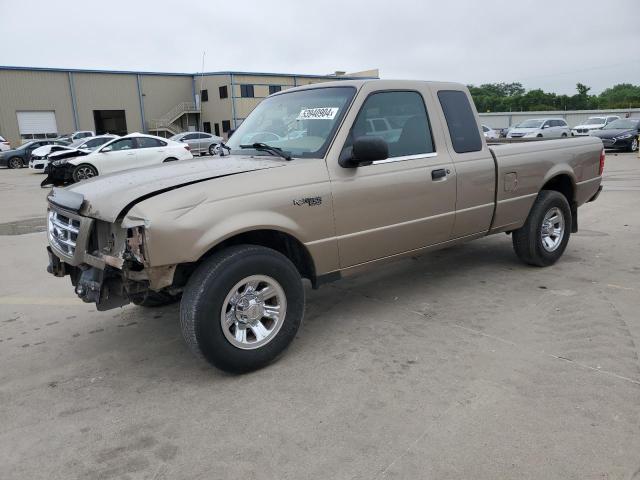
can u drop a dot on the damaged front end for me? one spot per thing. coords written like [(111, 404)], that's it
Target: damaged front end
[(59, 171), (107, 262)]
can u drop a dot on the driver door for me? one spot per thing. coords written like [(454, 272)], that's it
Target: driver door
[(400, 204), (121, 156)]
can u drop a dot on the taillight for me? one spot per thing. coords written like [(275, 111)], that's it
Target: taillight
[(602, 156), (187, 147)]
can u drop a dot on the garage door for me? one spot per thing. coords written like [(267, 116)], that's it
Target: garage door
[(37, 123)]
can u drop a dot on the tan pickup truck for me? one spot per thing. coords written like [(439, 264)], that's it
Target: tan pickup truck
[(316, 183)]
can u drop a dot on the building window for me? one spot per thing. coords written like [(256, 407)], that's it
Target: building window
[(246, 91), (207, 127), (226, 125), (204, 95), (274, 89), (223, 91), (216, 129)]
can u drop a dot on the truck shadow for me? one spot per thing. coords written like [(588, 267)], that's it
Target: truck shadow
[(481, 264)]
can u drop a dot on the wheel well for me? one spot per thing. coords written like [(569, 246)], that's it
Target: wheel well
[(563, 184), (282, 242)]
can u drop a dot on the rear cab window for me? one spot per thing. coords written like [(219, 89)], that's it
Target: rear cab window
[(461, 122)]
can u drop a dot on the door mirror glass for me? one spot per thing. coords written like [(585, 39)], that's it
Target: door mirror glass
[(107, 149), (365, 151)]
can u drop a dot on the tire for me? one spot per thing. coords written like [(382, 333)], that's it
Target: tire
[(529, 242), (170, 159), (84, 171), (153, 299), (212, 149), (539, 135), (15, 162), (564, 135), (634, 145), (215, 293)]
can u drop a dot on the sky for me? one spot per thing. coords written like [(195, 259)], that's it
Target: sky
[(542, 44)]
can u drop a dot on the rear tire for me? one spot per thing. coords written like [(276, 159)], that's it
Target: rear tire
[(84, 171), (634, 145), (242, 308), (15, 162), (541, 241)]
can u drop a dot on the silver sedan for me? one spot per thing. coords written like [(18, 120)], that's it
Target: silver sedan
[(199, 142)]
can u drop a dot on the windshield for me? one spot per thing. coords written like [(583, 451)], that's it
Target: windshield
[(530, 124), (301, 123), (177, 137), (622, 123), (595, 121), (25, 145)]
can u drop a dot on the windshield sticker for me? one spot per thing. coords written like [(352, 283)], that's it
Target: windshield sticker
[(322, 113)]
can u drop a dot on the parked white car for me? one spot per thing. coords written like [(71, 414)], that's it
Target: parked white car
[(592, 123), (540, 127), (40, 156), (72, 137), (490, 133), (4, 144), (123, 153)]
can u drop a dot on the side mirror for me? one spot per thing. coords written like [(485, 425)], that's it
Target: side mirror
[(545, 126), (365, 151), (106, 149)]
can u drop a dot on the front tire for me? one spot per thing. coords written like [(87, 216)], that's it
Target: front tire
[(242, 307), (170, 159), (84, 171), (541, 241), (15, 162), (212, 149)]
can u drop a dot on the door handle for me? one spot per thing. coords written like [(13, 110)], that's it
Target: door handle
[(439, 173), (131, 153)]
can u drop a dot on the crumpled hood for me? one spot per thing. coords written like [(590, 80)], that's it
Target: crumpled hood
[(105, 197)]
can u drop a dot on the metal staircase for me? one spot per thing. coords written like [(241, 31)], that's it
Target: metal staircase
[(168, 123)]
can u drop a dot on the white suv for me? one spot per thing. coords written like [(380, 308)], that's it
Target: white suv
[(540, 127), (592, 123)]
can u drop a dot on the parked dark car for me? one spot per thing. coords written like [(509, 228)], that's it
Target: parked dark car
[(620, 134), (19, 157)]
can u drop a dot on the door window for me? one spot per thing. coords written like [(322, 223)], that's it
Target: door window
[(399, 118), (190, 136), (146, 142), (124, 144)]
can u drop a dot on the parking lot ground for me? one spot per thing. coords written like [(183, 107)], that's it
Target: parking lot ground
[(460, 364)]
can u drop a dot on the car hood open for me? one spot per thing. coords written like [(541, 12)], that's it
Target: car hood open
[(106, 197)]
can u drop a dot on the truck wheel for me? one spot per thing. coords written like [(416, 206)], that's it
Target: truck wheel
[(242, 307), (84, 171), (153, 299), (544, 236), (15, 162)]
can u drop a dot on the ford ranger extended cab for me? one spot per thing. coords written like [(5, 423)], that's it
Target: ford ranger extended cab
[(307, 187)]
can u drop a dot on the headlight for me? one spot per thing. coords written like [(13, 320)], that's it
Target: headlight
[(624, 135), (57, 163)]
